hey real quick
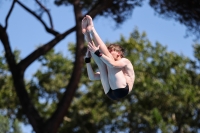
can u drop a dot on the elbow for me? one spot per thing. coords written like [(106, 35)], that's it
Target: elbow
[(111, 65)]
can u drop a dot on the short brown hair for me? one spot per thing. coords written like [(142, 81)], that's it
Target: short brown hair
[(116, 47)]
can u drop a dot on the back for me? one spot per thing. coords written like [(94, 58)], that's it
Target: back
[(129, 74)]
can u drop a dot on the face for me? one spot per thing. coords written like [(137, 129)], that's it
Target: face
[(114, 53)]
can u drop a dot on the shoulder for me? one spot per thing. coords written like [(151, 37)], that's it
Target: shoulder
[(128, 63), (125, 60)]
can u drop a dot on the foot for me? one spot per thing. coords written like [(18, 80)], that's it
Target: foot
[(84, 25), (90, 25)]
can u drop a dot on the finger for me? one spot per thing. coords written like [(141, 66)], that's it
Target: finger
[(93, 43), (89, 47), (89, 44)]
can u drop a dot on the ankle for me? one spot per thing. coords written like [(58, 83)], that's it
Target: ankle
[(90, 28), (92, 31)]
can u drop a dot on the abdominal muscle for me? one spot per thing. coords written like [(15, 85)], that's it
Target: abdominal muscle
[(116, 78), (119, 78)]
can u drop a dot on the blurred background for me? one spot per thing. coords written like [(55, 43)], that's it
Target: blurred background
[(44, 85)]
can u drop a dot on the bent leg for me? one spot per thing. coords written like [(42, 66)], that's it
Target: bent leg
[(103, 73), (102, 67), (97, 40), (103, 48)]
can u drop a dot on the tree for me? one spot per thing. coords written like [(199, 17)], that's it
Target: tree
[(119, 10), (17, 69), (9, 126), (184, 11), (165, 91), (165, 95), (4, 124)]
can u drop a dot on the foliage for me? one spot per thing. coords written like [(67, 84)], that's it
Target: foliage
[(4, 125), (48, 83), (165, 95), (55, 99), (52, 89), (119, 11), (9, 100), (7, 126), (166, 89)]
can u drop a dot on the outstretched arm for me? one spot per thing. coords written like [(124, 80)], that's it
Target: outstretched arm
[(114, 64), (109, 62), (91, 74)]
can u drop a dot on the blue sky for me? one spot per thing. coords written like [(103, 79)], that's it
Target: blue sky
[(26, 33)]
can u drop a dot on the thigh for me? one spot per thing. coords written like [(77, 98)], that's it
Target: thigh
[(103, 73), (103, 48)]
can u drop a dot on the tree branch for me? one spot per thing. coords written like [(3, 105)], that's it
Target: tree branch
[(18, 81), (51, 31), (57, 117), (43, 49), (99, 7), (5, 42), (8, 15), (47, 11), (76, 74)]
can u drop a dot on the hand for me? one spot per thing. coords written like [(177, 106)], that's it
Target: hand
[(84, 25), (92, 47), (90, 25)]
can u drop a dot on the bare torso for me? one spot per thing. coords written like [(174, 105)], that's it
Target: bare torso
[(120, 77)]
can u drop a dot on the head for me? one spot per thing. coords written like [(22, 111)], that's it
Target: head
[(117, 49)]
